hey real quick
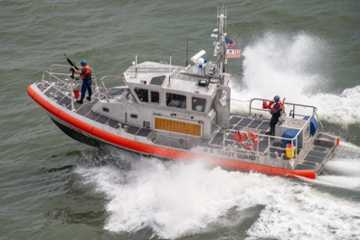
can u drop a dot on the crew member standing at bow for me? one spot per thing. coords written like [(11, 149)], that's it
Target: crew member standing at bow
[(275, 110), (85, 75)]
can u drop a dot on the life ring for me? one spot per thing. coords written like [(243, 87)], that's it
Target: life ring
[(249, 140)]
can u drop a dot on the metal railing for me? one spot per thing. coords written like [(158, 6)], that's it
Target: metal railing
[(271, 149), (269, 142), (293, 106), (104, 89), (150, 68), (59, 77), (267, 150)]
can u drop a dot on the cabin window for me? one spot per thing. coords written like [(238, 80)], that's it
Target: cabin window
[(198, 104), (133, 115), (155, 97), (175, 100), (142, 94)]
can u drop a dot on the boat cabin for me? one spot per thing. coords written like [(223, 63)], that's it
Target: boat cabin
[(170, 99)]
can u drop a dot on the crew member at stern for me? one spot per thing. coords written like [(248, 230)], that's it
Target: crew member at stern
[(85, 75), (275, 110)]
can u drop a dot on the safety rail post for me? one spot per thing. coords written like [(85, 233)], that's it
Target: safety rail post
[(269, 145), (72, 96), (96, 83), (295, 149), (224, 145), (136, 63), (250, 105), (295, 146), (105, 88), (170, 64), (257, 148), (293, 113), (43, 76)]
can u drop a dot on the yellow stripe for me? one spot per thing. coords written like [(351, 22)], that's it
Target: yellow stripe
[(177, 126)]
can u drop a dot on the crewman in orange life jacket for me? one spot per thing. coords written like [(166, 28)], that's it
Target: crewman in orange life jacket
[(275, 110), (85, 76)]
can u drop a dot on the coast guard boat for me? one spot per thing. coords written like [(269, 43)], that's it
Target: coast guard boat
[(183, 113)]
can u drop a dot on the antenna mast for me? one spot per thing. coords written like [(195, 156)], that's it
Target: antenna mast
[(187, 52), (220, 48)]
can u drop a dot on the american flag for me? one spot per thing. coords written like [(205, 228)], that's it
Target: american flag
[(232, 53)]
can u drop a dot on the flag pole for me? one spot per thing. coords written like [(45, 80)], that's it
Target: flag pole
[(187, 52)]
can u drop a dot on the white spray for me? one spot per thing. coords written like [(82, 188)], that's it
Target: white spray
[(287, 66), (183, 199)]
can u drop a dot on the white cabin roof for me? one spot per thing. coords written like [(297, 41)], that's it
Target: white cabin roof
[(157, 74)]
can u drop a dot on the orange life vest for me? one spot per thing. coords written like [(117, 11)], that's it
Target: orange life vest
[(86, 72)]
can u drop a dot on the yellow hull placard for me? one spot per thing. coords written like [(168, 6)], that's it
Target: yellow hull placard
[(178, 126)]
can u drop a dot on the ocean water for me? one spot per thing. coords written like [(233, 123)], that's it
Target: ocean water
[(52, 187)]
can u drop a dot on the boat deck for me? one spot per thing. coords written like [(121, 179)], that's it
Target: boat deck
[(322, 150)]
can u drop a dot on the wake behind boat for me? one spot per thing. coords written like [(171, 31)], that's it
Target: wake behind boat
[(183, 113)]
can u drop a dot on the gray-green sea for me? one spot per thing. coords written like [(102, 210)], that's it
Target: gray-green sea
[(52, 187)]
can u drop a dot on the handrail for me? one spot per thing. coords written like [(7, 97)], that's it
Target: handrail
[(298, 111), (115, 77), (59, 74), (294, 105), (105, 88), (269, 139), (264, 135), (153, 69)]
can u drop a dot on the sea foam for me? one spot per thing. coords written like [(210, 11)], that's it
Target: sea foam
[(293, 67), (178, 199)]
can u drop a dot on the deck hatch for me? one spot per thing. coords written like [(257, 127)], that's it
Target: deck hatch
[(178, 126), (158, 80)]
